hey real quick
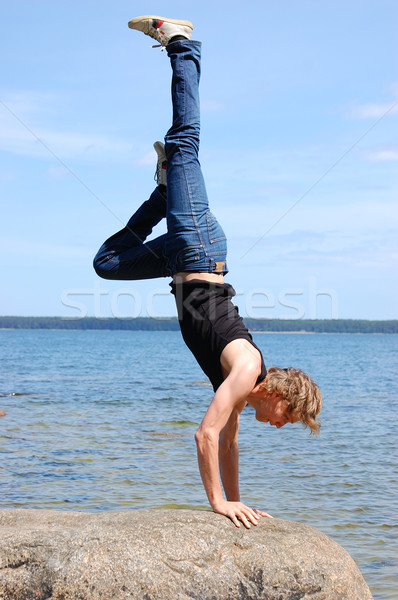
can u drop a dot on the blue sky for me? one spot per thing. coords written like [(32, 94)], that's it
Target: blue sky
[(299, 152)]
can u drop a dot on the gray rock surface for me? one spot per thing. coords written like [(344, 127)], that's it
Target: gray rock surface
[(168, 555)]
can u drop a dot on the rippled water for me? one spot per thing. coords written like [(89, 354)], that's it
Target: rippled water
[(100, 420)]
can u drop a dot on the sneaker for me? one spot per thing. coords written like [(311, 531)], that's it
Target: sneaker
[(160, 175), (162, 29)]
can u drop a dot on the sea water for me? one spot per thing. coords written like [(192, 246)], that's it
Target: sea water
[(105, 420)]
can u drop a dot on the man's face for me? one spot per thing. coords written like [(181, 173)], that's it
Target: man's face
[(273, 410)]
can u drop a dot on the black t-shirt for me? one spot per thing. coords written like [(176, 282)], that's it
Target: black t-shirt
[(208, 322)]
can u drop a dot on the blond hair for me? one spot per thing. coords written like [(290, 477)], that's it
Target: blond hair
[(299, 391)]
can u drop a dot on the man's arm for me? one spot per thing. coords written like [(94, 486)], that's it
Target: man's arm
[(228, 456), (228, 399)]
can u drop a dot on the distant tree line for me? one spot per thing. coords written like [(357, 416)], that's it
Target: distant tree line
[(139, 323), (171, 324)]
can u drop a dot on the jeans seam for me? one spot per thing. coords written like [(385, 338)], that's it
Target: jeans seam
[(198, 232)]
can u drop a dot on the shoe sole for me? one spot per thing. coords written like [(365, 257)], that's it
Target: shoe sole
[(137, 20)]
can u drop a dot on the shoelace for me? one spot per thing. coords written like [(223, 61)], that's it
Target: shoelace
[(155, 36), (159, 165)]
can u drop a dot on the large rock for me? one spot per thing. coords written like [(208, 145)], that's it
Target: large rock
[(168, 555)]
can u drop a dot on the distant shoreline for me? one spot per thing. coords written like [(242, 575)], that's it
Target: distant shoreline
[(253, 331), (286, 326), (326, 332)]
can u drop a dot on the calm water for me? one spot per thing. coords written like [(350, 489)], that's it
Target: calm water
[(100, 420)]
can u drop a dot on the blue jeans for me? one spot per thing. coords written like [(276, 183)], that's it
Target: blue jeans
[(194, 240)]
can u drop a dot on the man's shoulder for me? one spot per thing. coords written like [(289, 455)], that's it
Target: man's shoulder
[(241, 353)]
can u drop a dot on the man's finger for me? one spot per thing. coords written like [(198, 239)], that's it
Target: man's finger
[(234, 520), (252, 518), (245, 521)]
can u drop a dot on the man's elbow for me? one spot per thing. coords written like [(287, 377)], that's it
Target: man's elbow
[(205, 438)]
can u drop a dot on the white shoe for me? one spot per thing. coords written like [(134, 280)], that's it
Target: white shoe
[(161, 28), (160, 175)]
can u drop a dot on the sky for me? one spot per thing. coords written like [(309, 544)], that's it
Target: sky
[(299, 149)]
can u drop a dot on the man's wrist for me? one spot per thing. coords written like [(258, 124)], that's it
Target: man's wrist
[(216, 500), (216, 506)]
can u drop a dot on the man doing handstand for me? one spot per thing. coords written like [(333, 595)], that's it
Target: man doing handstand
[(193, 252)]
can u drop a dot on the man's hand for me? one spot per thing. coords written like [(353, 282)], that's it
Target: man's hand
[(239, 512)]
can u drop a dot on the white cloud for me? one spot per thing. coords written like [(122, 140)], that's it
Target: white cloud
[(27, 102), (147, 160), (381, 155), (22, 133), (375, 110), (311, 248), (43, 253), (25, 140), (55, 173), (7, 174), (212, 106)]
